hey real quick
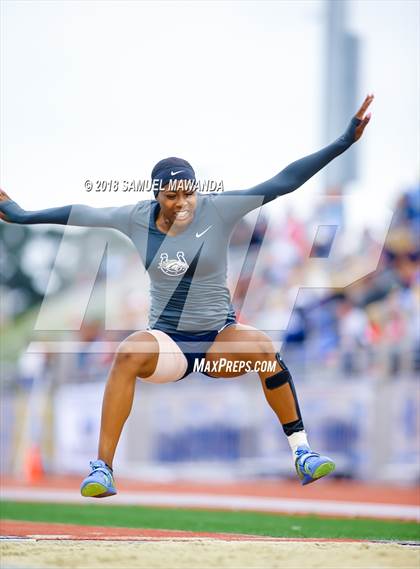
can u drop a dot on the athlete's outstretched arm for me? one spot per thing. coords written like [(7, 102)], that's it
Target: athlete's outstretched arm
[(78, 215), (298, 172)]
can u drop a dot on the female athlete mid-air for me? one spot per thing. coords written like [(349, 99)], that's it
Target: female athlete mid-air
[(182, 237)]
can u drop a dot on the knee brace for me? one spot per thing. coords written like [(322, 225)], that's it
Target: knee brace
[(279, 379)]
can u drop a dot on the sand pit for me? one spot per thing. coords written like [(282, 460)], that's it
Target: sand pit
[(204, 553)]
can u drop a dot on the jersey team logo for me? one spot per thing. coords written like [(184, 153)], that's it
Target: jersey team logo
[(173, 267)]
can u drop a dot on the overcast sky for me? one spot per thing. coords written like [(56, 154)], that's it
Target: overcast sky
[(104, 90)]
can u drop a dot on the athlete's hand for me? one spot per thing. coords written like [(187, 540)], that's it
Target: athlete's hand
[(9, 210), (3, 197), (362, 117)]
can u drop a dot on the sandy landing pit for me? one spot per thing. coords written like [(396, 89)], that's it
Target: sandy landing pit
[(203, 554)]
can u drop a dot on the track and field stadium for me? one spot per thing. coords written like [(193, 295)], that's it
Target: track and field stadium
[(210, 525), (209, 284)]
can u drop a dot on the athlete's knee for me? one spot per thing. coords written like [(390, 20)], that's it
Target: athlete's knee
[(282, 377), (137, 353)]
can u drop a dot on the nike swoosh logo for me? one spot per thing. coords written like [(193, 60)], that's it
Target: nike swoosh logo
[(177, 172), (205, 231)]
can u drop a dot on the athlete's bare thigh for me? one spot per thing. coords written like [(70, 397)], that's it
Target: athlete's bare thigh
[(238, 343)]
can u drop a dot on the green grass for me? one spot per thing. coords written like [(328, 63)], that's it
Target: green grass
[(274, 525)]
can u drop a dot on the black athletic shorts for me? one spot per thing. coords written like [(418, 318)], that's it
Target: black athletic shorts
[(196, 345)]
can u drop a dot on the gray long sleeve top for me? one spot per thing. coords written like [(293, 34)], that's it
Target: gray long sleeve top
[(188, 271)]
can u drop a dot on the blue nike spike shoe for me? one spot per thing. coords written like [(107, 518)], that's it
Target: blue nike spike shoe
[(310, 466), (99, 483)]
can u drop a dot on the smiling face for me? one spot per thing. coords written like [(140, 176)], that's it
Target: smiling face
[(177, 207)]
